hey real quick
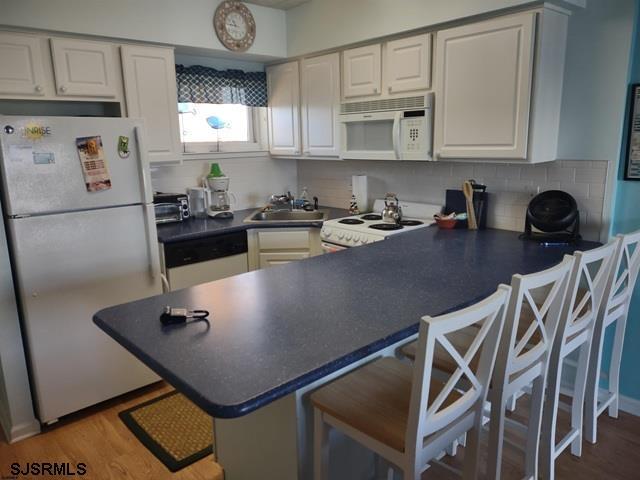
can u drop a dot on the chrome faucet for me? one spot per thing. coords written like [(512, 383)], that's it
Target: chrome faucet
[(281, 202)]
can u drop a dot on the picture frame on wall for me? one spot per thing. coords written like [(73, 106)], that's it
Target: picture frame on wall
[(632, 157)]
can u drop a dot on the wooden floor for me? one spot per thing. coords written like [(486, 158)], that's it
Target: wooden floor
[(98, 438)]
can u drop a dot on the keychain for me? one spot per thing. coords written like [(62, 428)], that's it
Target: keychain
[(173, 316)]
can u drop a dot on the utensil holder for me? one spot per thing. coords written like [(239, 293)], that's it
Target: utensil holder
[(455, 201)]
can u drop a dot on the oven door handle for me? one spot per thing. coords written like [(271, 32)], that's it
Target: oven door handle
[(331, 247), (396, 134)]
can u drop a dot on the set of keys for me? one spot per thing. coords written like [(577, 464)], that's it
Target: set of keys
[(174, 316)]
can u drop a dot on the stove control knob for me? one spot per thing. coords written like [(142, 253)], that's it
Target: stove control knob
[(340, 235), (326, 232), (348, 236), (365, 240), (356, 238)]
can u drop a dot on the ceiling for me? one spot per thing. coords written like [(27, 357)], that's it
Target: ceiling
[(281, 4)]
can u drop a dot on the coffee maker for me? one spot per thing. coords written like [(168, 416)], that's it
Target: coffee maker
[(217, 197)]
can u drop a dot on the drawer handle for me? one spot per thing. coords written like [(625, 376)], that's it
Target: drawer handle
[(38, 88), (63, 89)]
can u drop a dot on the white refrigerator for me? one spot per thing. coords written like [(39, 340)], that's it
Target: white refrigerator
[(76, 251)]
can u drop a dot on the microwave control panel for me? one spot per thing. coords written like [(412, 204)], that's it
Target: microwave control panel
[(415, 138)]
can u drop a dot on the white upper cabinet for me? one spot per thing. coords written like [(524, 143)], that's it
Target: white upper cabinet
[(151, 94), (483, 88), (407, 64), (361, 71), (84, 68), (283, 87), (320, 96), (21, 65)]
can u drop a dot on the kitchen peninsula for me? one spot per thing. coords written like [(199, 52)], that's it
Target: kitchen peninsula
[(273, 335)]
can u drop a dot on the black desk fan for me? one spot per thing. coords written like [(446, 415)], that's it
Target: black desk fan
[(555, 215)]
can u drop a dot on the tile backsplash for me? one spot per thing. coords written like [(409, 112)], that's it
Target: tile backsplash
[(510, 186), (252, 179)]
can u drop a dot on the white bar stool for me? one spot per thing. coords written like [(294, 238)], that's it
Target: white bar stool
[(523, 358), (403, 413), (614, 309), (589, 277)]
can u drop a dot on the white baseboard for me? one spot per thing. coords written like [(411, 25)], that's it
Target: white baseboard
[(24, 430), (629, 405)]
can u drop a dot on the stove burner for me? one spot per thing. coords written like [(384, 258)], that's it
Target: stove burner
[(371, 216), (351, 221), (386, 226), (410, 223)]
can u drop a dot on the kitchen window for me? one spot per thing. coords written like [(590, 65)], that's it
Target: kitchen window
[(221, 110), (224, 127)]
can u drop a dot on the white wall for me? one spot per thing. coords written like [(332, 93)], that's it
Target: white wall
[(596, 72), (218, 63), (253, 179), (323, 24), (16, 411), (186, 24)]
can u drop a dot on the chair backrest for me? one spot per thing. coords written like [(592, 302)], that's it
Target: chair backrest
[(529, 332), (589, 277), (623, 277), (427, 417)]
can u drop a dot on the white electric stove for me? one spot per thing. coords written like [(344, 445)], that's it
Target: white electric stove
[(362, 229)]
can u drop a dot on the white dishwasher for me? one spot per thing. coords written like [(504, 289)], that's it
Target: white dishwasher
[(203, 260)]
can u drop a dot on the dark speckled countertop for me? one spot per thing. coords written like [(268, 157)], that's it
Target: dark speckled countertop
[(205, 227), (273, 331)]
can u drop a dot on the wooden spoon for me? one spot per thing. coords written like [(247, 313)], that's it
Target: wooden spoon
[(467, 189)]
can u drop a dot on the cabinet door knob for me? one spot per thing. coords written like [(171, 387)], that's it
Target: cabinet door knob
[(38, 88), (63, 89), (375, 90), (390, 88)]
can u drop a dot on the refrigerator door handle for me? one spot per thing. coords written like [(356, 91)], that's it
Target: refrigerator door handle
[(143, 163), (152, 242)]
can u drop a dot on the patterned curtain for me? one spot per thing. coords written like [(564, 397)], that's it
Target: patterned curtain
[(197, 84)]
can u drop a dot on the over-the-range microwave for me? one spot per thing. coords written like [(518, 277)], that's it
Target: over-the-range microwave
[(388, 129)]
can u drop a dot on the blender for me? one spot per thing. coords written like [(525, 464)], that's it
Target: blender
[(218, 199)]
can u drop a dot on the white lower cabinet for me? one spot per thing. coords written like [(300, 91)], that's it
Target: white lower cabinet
[(208, 271), (276, 246), (271, 259)]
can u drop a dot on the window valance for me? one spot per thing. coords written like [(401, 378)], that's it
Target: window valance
[(197, 84)]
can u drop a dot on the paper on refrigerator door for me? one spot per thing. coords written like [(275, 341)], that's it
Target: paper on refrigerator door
[(94, 165), (20, 153)]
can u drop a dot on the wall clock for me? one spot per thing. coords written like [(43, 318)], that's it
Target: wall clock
[(234, 25)]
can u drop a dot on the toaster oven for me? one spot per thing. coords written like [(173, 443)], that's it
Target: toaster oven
[(171, 207)]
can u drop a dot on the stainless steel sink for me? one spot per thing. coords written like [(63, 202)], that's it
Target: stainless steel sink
[(262, 215)]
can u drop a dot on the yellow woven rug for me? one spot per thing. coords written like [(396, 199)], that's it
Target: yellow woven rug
[(175, 430)]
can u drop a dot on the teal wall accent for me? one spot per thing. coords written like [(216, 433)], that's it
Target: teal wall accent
[(626, 218)]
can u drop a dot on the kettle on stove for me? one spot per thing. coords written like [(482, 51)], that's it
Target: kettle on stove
[(392, 212)]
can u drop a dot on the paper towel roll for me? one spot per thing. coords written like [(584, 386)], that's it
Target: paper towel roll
[(360, 189)]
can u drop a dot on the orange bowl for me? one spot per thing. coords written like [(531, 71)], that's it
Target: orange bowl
[(446, 223)]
